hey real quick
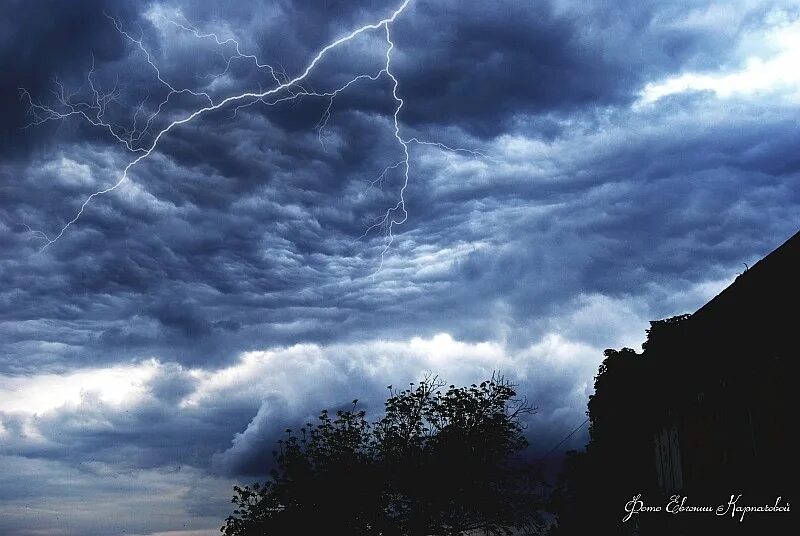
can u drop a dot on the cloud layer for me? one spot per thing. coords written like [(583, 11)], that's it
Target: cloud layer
[(631, 157)]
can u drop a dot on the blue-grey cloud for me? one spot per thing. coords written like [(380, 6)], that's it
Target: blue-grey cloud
[(592, 211)]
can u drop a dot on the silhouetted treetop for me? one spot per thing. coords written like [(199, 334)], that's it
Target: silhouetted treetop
[(438, 462)]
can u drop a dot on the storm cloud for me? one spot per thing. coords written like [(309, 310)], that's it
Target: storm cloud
[(622, 162)]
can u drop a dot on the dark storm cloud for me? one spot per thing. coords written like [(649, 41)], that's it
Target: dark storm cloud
[(644, 218), (482, 65), (276, 265), (43, 40), (590, 216)]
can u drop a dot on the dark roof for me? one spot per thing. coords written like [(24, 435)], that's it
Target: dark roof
[(773, 281), (761, 306)]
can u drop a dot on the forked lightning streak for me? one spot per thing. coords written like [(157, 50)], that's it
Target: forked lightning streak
[(134, 137)]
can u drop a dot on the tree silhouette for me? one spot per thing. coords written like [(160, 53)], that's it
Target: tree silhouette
[(437, 463)]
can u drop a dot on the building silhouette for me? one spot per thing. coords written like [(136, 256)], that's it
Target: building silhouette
[(702, 413)]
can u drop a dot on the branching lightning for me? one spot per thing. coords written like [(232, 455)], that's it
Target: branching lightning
[(140, 140)]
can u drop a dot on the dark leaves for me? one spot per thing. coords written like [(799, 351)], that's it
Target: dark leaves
[(436, 463)]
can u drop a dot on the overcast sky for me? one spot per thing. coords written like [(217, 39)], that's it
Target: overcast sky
[(602, 164)]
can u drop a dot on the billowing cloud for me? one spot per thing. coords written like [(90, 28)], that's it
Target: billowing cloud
[(180, 430), (631, 157), (156, 414)]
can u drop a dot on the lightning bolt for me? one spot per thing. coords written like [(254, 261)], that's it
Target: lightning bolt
[(286, 89)]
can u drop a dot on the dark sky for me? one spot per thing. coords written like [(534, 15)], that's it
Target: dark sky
[(602, 164)]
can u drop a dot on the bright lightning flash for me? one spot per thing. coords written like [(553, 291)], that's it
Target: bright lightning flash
[(134, 138)]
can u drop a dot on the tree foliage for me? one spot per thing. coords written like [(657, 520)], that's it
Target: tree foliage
[(439, 462)]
